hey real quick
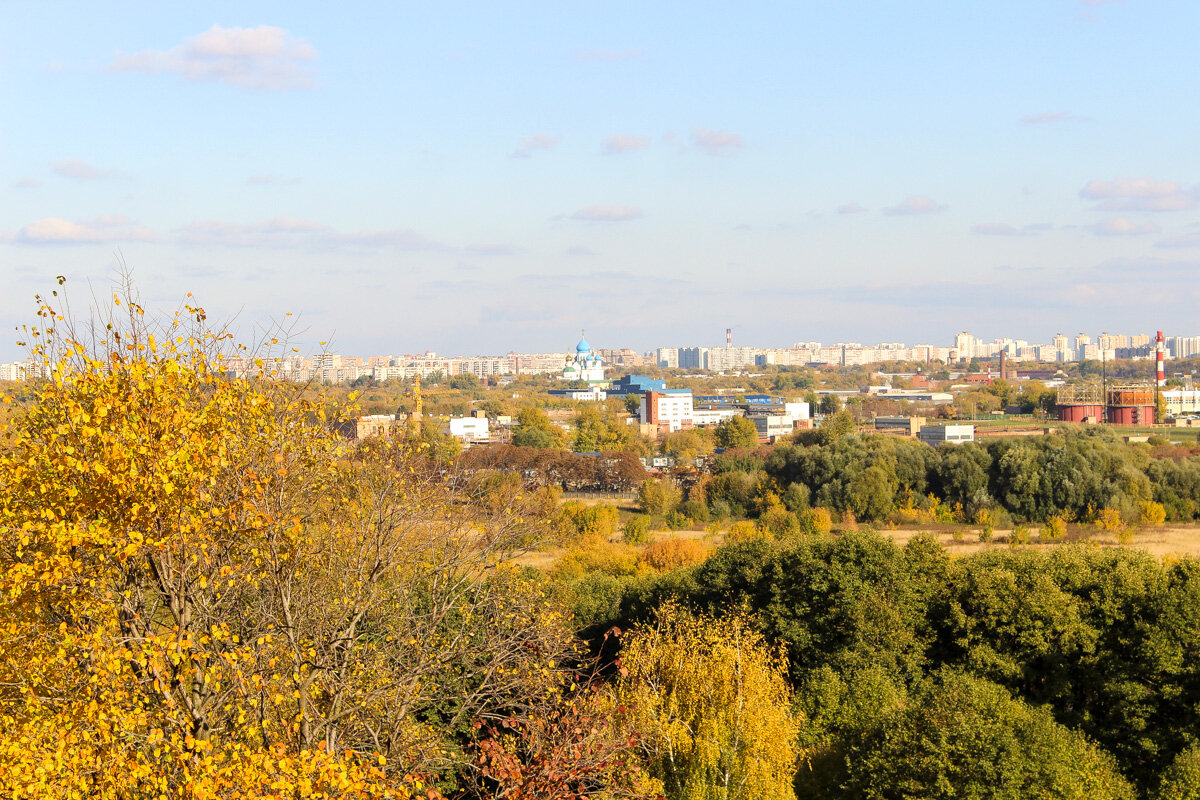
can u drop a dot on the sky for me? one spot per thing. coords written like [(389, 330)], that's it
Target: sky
[(482, 177)]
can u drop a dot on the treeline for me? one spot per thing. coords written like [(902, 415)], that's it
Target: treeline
[(1074, 476), (1003, 674), (607, 471)]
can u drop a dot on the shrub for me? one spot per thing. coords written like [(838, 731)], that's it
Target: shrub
[(796, 497), (580, 521), (595, 557), (720, 510), (694, 510), (676, 521), (987, 524), (674, 552), (816, 521), (779, 522), (657, 496), (1020, 535), (1109, 519), (636, 529), (849, 522), (1151, 513), (1055, 527), (744, 532)]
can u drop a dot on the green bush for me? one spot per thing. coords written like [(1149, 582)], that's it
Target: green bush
[(658, 496), (694, 510), (968, 738), (636, 529), (676, 521), (816, 521)]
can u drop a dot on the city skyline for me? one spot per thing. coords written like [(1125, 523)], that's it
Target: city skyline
[(471, 173)]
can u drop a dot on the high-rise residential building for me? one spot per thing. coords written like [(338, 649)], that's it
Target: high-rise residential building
[(1062, 348), (692, 357), (966, 345)]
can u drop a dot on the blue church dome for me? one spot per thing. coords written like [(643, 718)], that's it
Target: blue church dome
[(583, 346)]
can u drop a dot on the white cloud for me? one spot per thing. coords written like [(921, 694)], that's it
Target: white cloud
[(81, 171), (850, 208), (271, 180), (537, 143), (716, 143), (287, 232), (607, 214), (1119, 226), (914, 205), (27, 183), (1138, 194), (624, 143), (608, 55), (265, 57), (102, 230)]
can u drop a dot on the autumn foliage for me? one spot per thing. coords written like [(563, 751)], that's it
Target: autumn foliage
[(206, 594)]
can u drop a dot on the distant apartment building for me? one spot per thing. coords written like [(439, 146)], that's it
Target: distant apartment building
[(13, 372), (691, 357), (1183, 346), (483, 366), (667, 357), (965, 345), (1062, 349), (538, 363), (468, 429), (625, 357), (728, 359), (668, 409)]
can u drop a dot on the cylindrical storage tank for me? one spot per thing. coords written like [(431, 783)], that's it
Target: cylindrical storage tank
[(1131, 415), (1080, 413), (1131, 397)]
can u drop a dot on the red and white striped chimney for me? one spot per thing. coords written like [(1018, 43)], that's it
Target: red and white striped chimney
[(729, 337), (1158, 357)]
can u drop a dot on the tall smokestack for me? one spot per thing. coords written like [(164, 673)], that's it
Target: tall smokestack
[(729, 337), (1158, 357), (1004, 365)]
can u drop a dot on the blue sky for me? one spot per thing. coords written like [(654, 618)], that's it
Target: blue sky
[(478, 177)]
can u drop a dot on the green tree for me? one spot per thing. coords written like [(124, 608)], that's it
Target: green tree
[(1181, 781), (534, 429), (966, 738), (596, 431), (715, 710), (633, 404), (836, 425), (658, 496), (830, 404), (736, 432)]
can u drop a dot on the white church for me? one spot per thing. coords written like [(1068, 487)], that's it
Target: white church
[(585, 366)]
